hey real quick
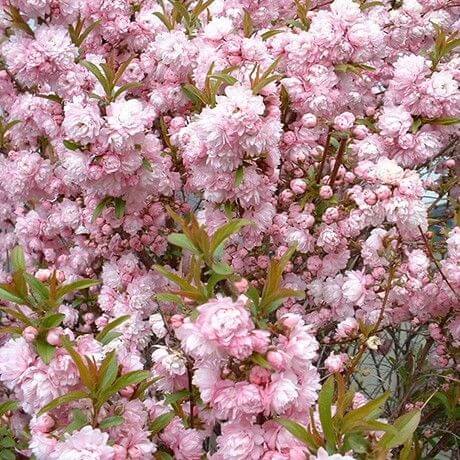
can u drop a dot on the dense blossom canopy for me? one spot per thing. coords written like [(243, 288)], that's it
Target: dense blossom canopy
[(267, 193)]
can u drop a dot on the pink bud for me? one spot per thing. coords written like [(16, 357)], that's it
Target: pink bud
[(325, 192), (177, 321), (44, 424), (128, 391), (29, 334), (298, 186), (309, 120), (43, 274), (275, 358), (241, 286), (344, 121), (54, 337)]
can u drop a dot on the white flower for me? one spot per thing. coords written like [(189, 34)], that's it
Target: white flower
[(373, 342)]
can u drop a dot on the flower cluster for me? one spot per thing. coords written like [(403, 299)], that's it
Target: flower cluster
[(220, 204)]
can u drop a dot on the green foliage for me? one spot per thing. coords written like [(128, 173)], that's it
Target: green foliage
[(443, 45), (117, 203), (100, 382), (4, 128), (109, 75), (43, 298), (213, 85), (206, 252), (344, 428), (259, 80), (78, 34)]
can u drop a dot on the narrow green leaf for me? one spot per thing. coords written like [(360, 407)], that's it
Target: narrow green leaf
[(225, 231), (120, 206), (108, 371), (5, 295), (239, 176), (7, 406), (405, 427), (368, 411), (110, 422), (18, 261), (161, 422), (45, 350), (17, 315), (39, 290), (101, 206), (64, 399), (53, 320), (181, 240), (86, 377), (112, 325), (131, 378), (172, 398), (75, 286), (221, 268), (79, 420), (261, 361), (325, 400), (71, 145), (299, 432), (126, 87)]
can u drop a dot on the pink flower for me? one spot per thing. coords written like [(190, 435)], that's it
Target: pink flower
[(335, 362), (394, 121), (16, 356), (281, 393), (240, 441), (227, 324), (82, 122), (86, 443)]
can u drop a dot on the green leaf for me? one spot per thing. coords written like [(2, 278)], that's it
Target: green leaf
[(221, 268), (181, 282), (261, 360), (162, 455), (71, 145), (79, 420), (168, 297), (108, 371), (18, 261), (161, 422), (248, 28), (120, 206), (112, 325), (86, 377), (356, 442), (126, 87), (299, 432), (44, 349), (39, 290), (112, 335), (7, 406), (110, 422), (239, 176), (52, 320), (325, 399), (99, 76), (405, 427), (131, 378), (368, 411), (101, 206), (75, 286), (64, 399), (173, 398), (225, 231), (181, 240), (17, 315), (194, 94), (5, 295)]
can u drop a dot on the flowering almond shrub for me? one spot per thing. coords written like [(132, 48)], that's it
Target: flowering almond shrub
[(230, 229)]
